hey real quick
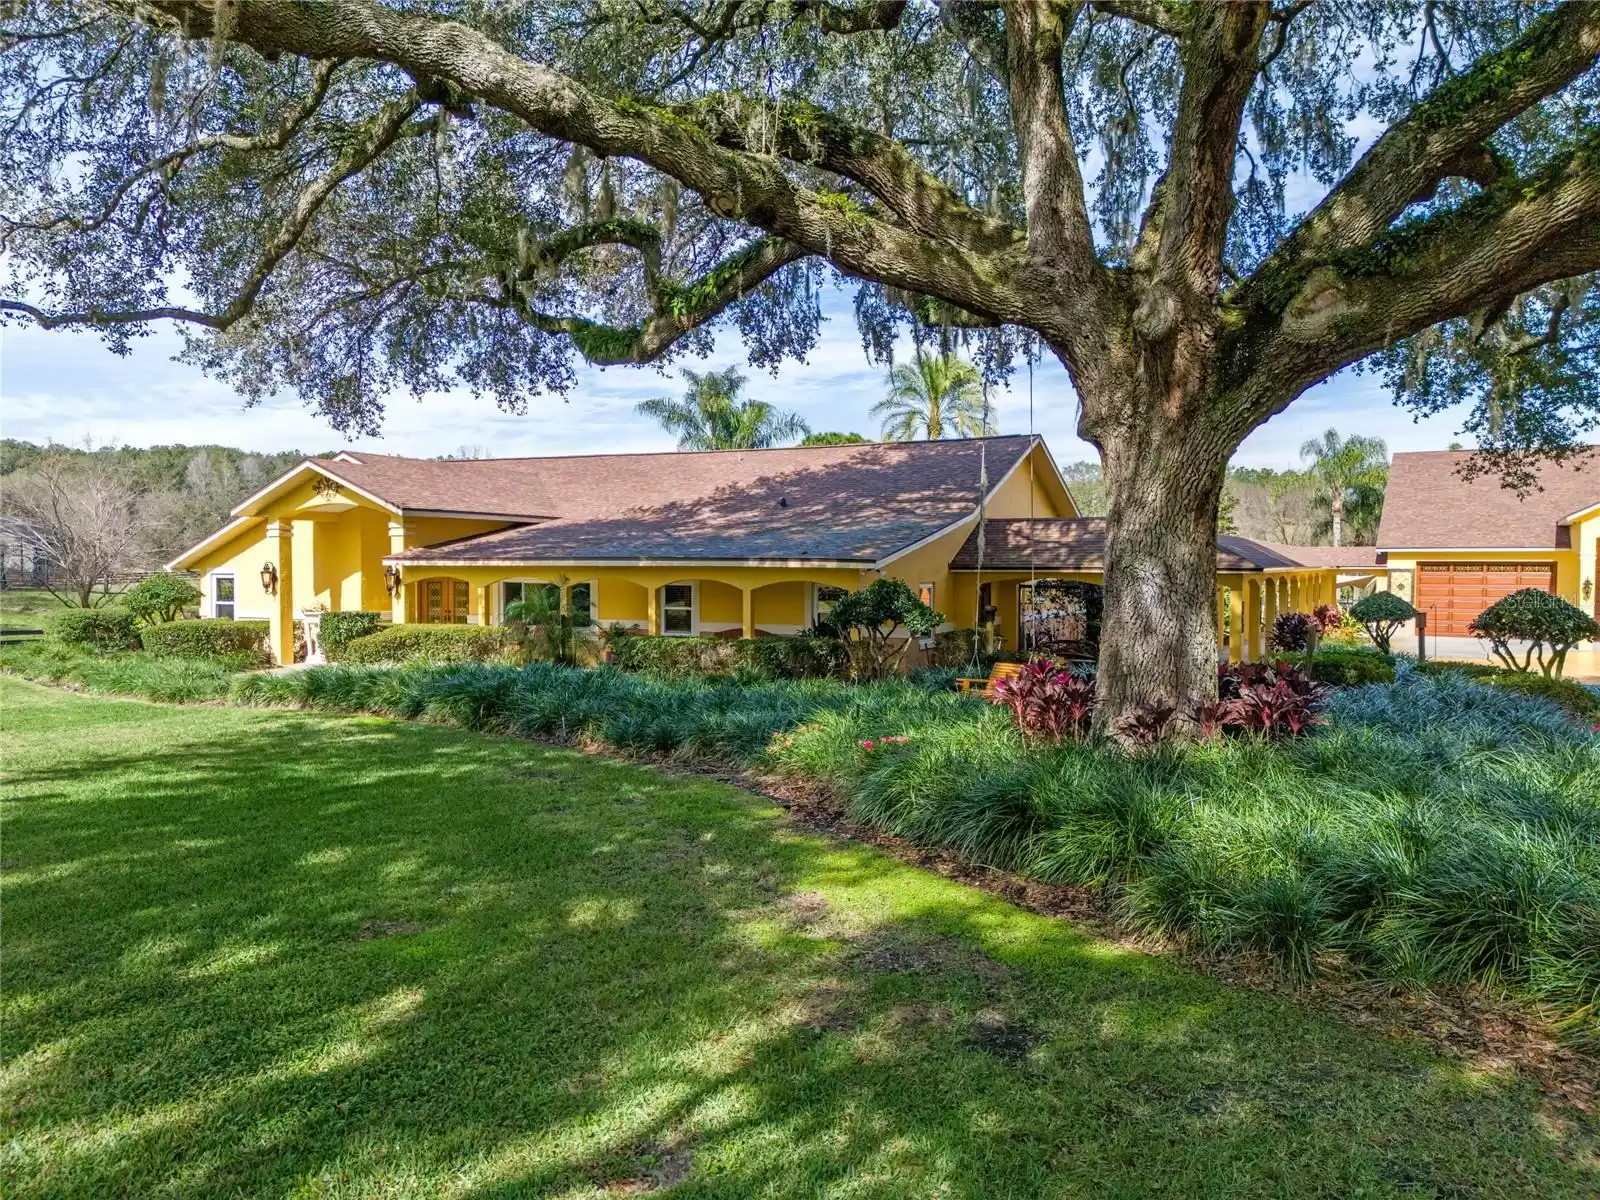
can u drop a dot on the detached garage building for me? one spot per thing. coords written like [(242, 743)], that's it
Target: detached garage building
[(1453, 547)]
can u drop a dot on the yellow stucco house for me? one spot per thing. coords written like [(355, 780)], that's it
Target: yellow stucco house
[(724, 543), (1453, 546)]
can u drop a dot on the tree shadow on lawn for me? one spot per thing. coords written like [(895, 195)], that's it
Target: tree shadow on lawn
[(249, 953)]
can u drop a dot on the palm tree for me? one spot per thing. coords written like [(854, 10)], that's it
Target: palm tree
[(933, 398), (1351, 473), (711, 416)]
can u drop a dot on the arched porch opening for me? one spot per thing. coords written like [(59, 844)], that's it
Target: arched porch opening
[(1060, 618)]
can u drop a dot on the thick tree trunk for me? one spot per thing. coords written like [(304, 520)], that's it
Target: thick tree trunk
[(1158, 639), (1336, 512)]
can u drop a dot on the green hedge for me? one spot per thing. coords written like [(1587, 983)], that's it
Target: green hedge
[(429, 643), (1351, 666), (1569, 694), (102, 629), (1480, 671), (213, 637), (339, 629), (768, 658)]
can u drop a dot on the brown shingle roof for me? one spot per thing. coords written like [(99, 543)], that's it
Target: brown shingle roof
[(856, 503), (1428, 505), (1078, 544), (1351, 557)]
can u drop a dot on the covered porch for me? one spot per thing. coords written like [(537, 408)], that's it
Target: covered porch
[(680, 600), (998, 586)]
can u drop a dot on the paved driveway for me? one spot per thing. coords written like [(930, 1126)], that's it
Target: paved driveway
[(1582, 664)]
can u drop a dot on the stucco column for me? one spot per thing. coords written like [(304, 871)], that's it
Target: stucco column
[(1269, 614), (749, 596), (480, 600), (1251, 595), (280, 622), (1222, 620), (652, 610), (1235, 623), (398, 544)]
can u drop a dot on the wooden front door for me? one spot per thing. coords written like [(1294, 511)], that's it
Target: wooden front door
[(444, 601), (1454, 593)]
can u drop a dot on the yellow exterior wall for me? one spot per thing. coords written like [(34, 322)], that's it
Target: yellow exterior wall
[(241, 556), (338, 540), (1586, 547)]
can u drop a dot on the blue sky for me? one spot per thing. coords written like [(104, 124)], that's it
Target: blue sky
[(66, 387)]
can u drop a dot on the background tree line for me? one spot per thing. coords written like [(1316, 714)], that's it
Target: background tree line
[(1336, 499), (82, 520)]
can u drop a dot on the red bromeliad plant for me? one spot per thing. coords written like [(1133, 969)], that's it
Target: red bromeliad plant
[(1272, 699), (1047, 702)]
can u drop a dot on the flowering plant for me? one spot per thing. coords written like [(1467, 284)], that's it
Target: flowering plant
[(891, 740)]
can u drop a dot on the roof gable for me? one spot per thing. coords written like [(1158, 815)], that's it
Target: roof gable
[(1427, 505)]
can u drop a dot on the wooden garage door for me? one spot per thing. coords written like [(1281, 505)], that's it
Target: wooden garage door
[(1452, 594)]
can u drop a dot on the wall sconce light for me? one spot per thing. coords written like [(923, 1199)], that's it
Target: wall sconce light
[(269, 579), (391, 580), (1588, 590)]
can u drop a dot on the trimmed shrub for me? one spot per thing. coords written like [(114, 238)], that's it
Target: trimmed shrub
[(1577, 699), (1435, 668), (216, 637), (1351, 666), (339, 629), (160, 597), (875, 615), (1550, 625), (102, 629), (800, 657), (441, 644), (1381, 614)]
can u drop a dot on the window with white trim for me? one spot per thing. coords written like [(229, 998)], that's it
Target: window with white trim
[(514, 590), (222, 596), (823, 598), (677, 609), (580, 599)]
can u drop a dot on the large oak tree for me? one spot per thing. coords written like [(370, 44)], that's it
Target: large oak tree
[(349, 196)]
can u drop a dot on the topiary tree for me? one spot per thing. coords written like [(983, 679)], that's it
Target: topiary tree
[(1171, 200), (1548, 624), (160, 597), (868, 619), (1381, 614)]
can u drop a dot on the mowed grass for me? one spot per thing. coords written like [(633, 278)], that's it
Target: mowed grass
[(26, 608), (263, 953)]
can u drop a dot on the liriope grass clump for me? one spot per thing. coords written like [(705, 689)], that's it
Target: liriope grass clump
[(1430, 834), (145, 676)]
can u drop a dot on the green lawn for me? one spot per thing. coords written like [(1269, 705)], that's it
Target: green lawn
[(256, 953), (26, 608)]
